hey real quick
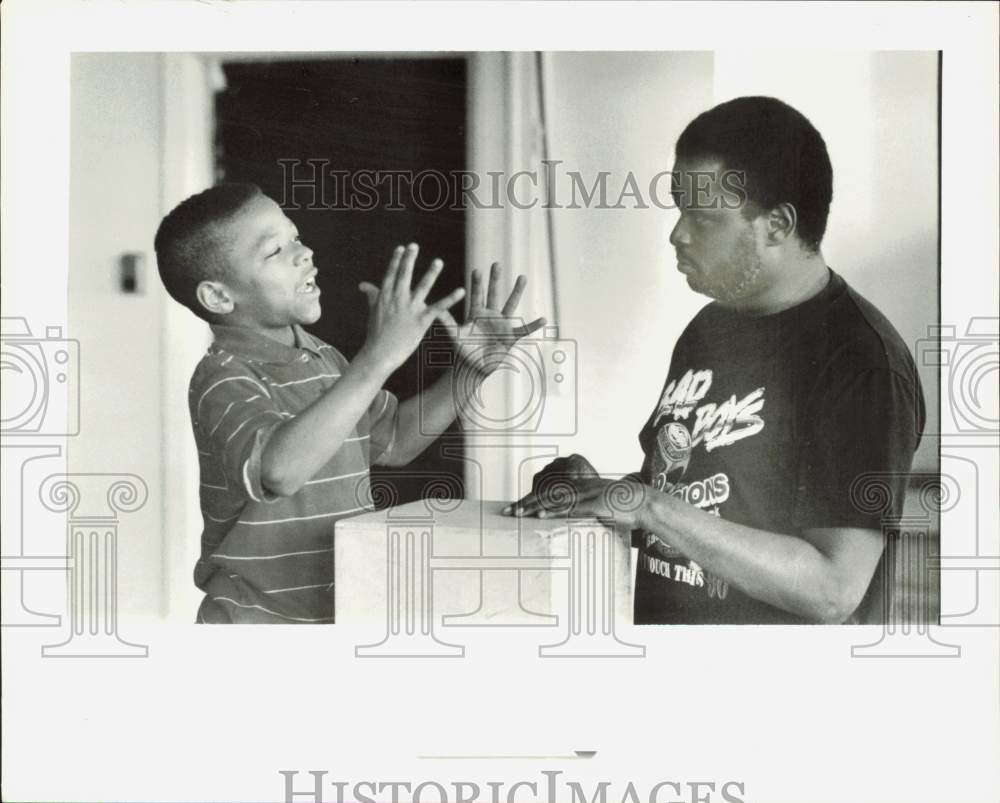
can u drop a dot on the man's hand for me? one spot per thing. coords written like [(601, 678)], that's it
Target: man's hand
[(490, 331), (552, 486), (398, 314), (614, 502), (571, 486)]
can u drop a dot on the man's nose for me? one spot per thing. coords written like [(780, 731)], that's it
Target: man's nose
[(679, 234)]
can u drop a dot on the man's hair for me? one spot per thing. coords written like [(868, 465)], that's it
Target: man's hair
[(781, 153), (187, 241)]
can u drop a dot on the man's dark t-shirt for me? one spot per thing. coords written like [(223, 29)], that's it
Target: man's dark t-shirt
[(768, 421)]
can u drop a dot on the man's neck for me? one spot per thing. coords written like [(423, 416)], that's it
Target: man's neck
[(797, 280)]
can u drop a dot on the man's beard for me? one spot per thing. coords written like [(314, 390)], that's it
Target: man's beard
[(738, 279)]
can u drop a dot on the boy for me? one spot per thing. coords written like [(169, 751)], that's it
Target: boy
[(286, 428)]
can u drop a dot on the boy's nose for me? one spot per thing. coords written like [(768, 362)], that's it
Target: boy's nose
[(305, 253)]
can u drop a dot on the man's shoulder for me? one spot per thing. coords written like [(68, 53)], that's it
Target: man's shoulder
[(866, 335), (704, 318)]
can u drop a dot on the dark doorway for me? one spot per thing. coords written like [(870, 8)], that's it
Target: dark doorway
[(282, 120)]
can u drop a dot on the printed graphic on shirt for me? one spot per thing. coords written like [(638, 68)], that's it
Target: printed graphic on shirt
[(713, 423), (686, 418), (670, 460), (716, 423), (684, 571)]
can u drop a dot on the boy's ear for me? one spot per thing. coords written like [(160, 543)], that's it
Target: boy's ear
[(214, 297)]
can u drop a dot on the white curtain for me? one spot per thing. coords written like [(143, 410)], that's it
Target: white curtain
[(506, 136)]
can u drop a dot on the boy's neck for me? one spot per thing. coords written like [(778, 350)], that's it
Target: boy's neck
[(284, 335), (281, 334)]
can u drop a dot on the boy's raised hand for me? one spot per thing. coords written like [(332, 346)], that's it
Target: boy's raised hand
[(398, 313), (490, 331)]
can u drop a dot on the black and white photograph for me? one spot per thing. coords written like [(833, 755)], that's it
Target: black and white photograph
[(446, 340)]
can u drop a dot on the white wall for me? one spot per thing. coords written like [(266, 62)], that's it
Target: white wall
[(115, 125), (141, 134), (620, 297)]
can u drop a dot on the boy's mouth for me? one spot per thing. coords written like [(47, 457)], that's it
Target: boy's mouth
[(308, 286)]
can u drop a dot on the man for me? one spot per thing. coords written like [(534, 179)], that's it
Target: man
[(784, 396)]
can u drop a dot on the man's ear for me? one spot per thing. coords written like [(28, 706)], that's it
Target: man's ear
[(782, 221), (214, 297)]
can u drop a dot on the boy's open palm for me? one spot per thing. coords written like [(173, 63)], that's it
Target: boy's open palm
[(398, 313), (490, 331)]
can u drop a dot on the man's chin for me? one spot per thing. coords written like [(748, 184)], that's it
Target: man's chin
[(725, 295), (700, 287)]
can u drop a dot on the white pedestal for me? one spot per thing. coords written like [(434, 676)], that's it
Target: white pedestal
[(433, 565)]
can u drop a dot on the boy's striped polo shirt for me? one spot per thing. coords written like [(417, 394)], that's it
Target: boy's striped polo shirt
[(266, 558)]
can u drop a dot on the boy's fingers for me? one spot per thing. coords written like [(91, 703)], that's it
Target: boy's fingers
[(528, 328), (449, 300), (389, 282), (515, 296), (475, 293), (494, 286), (370, 291), (405, 276), (427, 280), (449, 322)]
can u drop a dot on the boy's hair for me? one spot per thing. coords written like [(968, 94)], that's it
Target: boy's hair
[(781, 153), (187, 247)]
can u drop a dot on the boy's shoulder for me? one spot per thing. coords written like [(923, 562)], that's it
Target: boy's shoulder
[(219, 372), (229, 358), (217, 361)]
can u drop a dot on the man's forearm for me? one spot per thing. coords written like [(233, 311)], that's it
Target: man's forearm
[(782, 570), (423, 418)]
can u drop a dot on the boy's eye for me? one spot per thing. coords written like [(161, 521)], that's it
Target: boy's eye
[(277, 249)]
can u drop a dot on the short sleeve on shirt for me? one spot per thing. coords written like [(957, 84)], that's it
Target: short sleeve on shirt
[(857, 450), (383, 418), (234, 416)]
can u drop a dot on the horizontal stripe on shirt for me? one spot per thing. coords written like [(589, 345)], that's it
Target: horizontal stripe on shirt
[(255, 606), (250, 379), (297, 588), (303, 518), (303, 381), (270, 557)]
